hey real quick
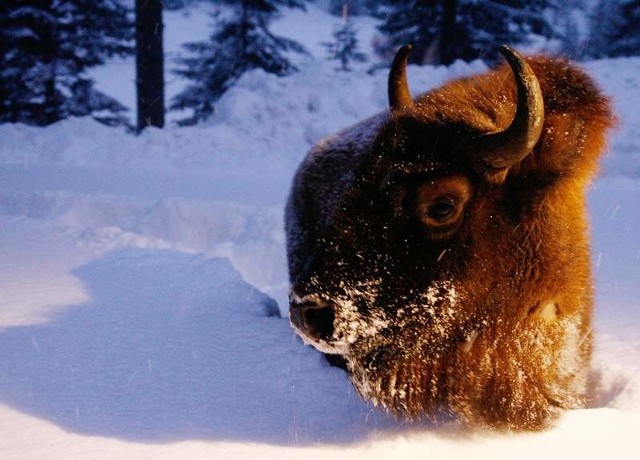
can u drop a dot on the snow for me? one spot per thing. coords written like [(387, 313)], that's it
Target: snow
[(140, 278)]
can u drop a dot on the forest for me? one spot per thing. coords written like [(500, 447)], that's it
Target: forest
[(47, 47)]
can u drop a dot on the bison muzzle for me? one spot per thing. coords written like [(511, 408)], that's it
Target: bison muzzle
[(441, 247)]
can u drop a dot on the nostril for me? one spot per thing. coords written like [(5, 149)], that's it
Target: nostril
[(318, 320), (312, 318)]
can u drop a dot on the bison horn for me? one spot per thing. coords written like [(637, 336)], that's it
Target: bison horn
[(506, 148), (399, 95)]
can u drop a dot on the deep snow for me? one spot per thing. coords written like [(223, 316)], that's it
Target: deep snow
[(140, 275)]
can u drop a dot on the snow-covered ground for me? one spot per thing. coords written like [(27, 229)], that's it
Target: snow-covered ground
[(140, 276)]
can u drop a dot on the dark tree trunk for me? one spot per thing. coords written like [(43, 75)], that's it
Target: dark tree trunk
[(448, 33), (149, 63), (50, 52), (51, 111)]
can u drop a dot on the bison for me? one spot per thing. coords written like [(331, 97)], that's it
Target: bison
[(441, 247)]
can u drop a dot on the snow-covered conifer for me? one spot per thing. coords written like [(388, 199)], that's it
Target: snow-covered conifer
[(618, 29), (46, 46), (241, 42), (445, 30), (415, 22), (355, 7), (344, 47)]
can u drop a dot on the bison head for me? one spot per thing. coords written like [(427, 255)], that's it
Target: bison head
[(441, 248)]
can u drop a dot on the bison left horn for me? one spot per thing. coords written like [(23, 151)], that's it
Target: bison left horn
[(506, 148), (399, 95)]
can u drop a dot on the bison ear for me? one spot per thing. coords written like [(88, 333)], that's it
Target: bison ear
[(398, 88), (502, 150)]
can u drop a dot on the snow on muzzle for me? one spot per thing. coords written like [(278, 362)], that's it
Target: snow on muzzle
[(331, 326)]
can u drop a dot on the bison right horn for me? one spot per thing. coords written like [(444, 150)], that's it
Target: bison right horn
[(398, 88)]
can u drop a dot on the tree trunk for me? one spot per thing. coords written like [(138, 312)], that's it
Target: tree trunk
[(149, 63), (448, 33), (50, 53)]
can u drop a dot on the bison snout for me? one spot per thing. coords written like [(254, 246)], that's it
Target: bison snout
[(312, 318)]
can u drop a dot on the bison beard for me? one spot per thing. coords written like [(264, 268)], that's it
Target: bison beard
[(441, 248)]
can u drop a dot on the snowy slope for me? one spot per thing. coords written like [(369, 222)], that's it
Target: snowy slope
[(141, 276)]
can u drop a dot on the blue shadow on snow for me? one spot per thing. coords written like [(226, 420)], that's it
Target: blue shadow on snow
[(175, 347)]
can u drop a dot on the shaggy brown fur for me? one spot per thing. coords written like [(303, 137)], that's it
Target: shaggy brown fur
[(484, 313)]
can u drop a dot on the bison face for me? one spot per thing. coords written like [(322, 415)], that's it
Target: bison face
[(387, 284), (446, 262)]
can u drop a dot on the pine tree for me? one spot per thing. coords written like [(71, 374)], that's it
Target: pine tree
[(626, 42), (485, 26), (240, 43), (565, 25), (415, 22), (46, 46), (355, 7), (175, 4), (621, 36), (344, 48), (445, 30)]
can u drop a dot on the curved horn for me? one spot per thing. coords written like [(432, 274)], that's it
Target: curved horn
[(399, 95), (506, 148)]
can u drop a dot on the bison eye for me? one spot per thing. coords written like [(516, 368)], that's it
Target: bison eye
[(439, 204), (441, 209)]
